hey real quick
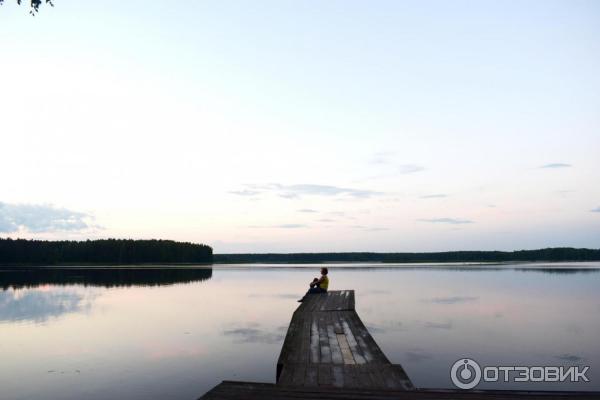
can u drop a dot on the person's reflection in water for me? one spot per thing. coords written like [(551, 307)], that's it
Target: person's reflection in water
[(318, 285)]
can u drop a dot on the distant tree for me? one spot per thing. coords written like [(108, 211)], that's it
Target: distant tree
[(34, 5), (551, 254), (105, 251)]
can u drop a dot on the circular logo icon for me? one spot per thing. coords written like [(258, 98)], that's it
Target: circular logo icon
[(465, 373)]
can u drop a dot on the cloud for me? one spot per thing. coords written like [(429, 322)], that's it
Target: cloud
[(290, 226), (434, 196), (309, 189), (326, 220), (556, 165), (289, 195), (410, 168), (453, 221), (451, 299), (386, 158), (381, 158), (282, 226), (370, 228), (245, 192), (597, 209), (41, 218), (307, 210)]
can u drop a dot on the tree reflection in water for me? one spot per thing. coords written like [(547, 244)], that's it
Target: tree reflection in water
[(27, 277)]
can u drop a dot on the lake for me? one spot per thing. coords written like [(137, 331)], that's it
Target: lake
[(175, 333)]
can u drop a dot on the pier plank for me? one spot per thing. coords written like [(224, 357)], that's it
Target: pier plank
[(326, 332)]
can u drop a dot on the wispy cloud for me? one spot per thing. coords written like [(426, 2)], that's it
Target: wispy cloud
[(245, 192), (597, 209), (307, 210), (453, 221), (40, 218), (326, 220), (387, 159), (280, 226), (433, 196), (309, 189), (289, 195), (556, 165), (410, 168), (290, 226), (383, 157), (370, 228)]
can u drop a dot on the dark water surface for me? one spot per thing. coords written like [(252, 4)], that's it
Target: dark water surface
[(150, 334)]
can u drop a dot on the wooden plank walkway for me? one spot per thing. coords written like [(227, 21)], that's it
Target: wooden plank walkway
[(327, 345), (328, 353)]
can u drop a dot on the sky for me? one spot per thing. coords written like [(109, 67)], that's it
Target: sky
[(299, 126)]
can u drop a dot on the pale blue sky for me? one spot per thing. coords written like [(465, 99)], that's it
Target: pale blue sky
[(402, 126)]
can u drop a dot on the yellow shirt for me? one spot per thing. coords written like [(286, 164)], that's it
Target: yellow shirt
[(324, 282)]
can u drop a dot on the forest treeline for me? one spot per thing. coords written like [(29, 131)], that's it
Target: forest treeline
[(550, 254), (105, 251)]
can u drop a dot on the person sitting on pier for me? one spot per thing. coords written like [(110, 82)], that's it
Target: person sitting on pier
[(318, 285)]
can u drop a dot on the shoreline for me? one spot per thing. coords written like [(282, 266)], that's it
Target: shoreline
[(542, 264)]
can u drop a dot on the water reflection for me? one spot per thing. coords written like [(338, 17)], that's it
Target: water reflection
[(385, 327), (570, 357), (253, 333), (275, 295), (559, 270), (21, 277), (38, 305), (416, 356), (438, 325), (143, 341), (451, 299)]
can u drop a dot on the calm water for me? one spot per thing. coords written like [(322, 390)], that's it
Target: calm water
[(175, 334)]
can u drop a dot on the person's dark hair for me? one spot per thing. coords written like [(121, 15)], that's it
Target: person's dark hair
[(324, 271)]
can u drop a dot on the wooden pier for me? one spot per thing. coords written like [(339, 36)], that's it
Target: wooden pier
[(329, 354), (327, 345)]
